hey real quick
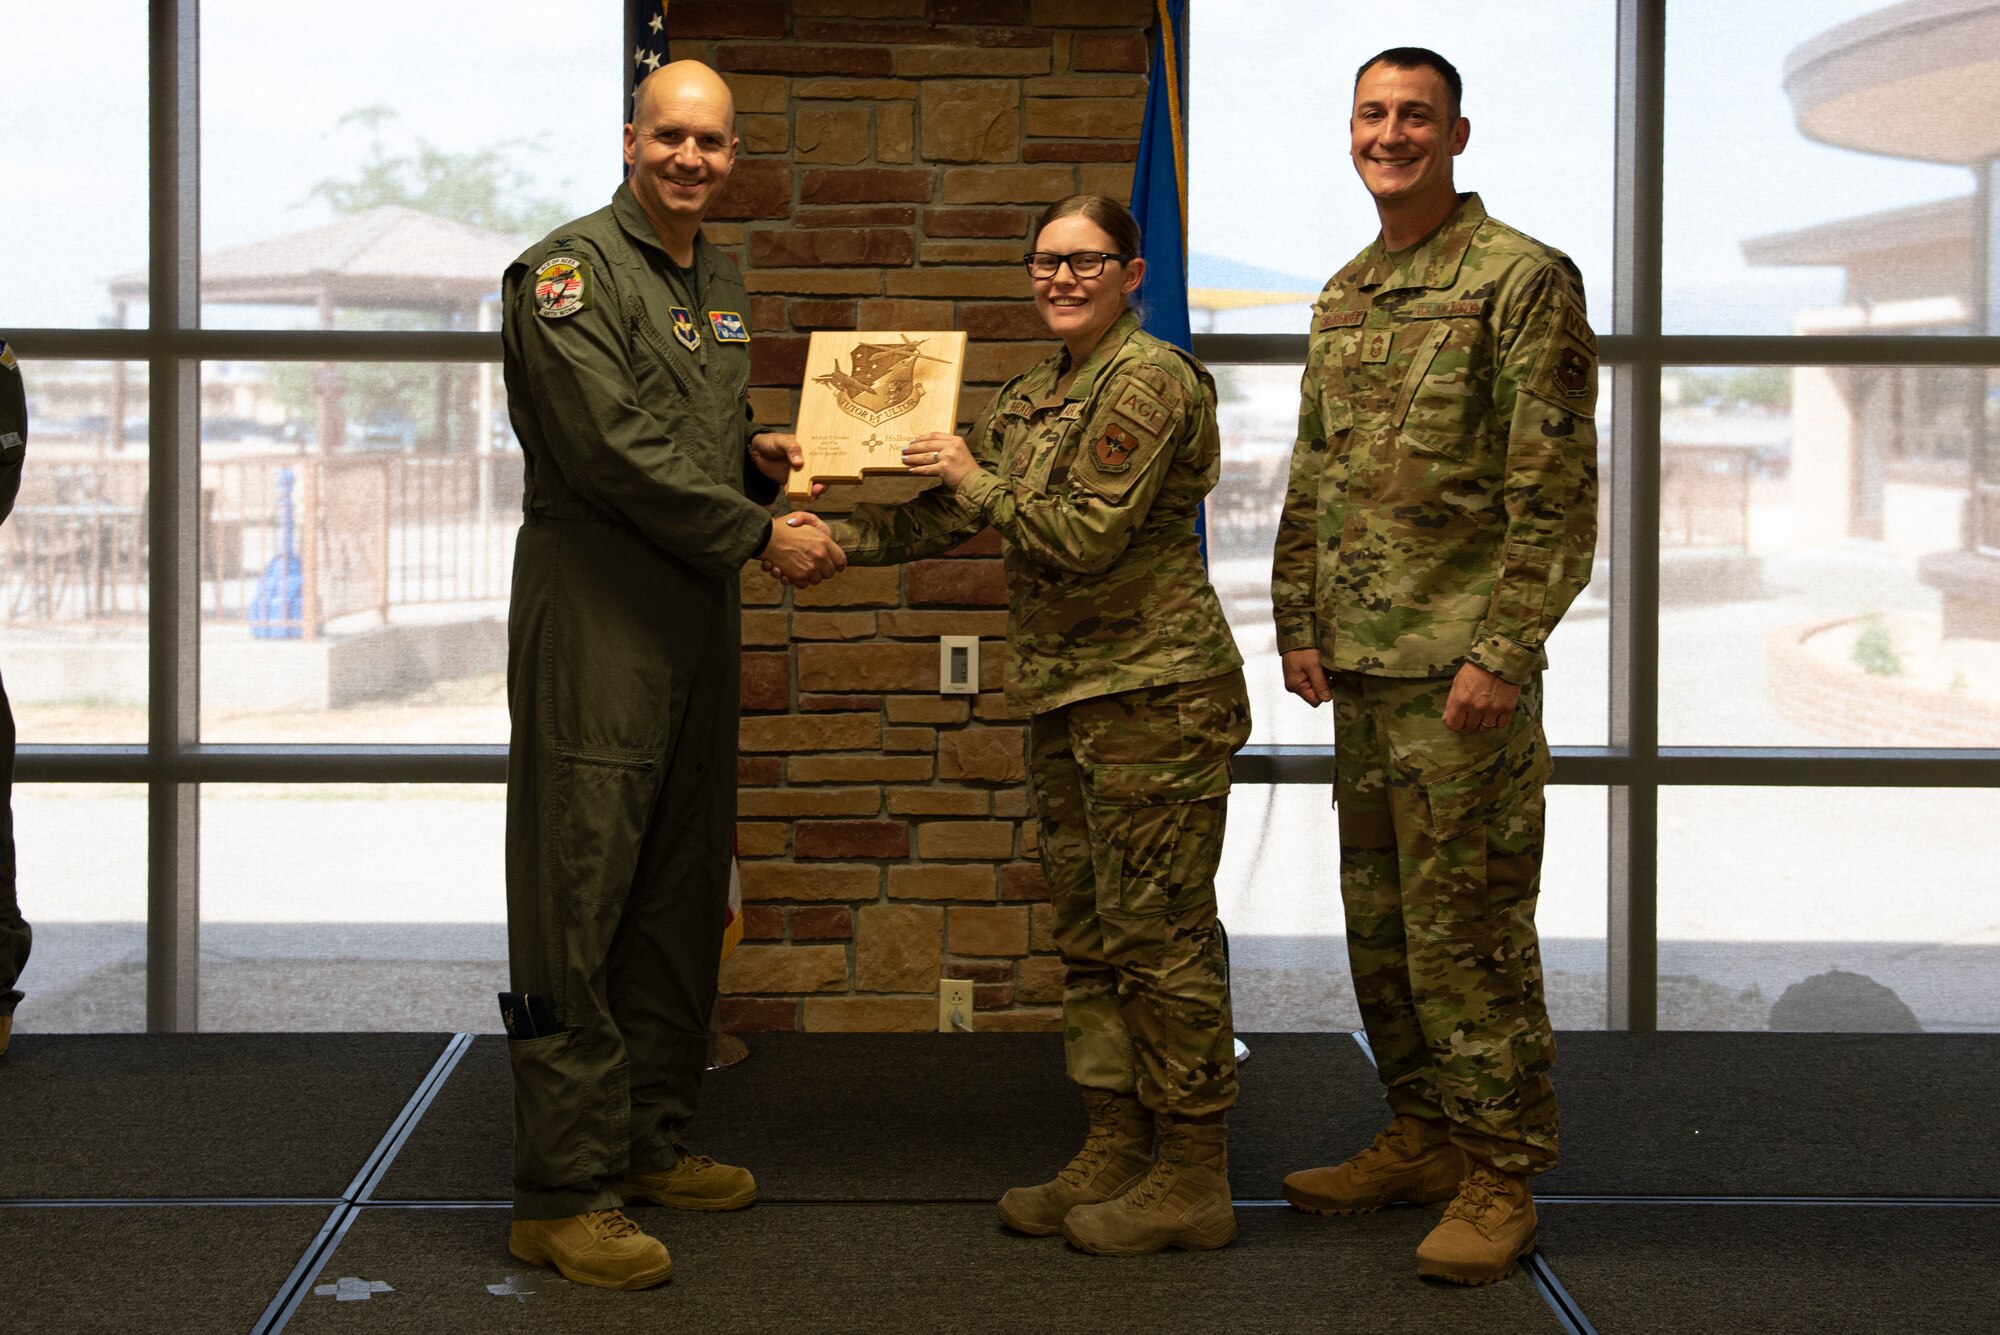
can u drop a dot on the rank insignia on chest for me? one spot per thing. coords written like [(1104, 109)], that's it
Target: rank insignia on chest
[(1375, 345), (728, 327), (1113, 450), (684, 329), (562, 287)]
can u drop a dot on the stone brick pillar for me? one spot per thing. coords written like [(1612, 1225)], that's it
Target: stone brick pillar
[(894, 153)]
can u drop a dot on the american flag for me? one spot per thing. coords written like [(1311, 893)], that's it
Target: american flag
[(646, 35)]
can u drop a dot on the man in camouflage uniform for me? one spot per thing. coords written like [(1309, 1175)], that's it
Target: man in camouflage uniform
[(1439, 520), (1119, 655), (626, 357), (15, 935)]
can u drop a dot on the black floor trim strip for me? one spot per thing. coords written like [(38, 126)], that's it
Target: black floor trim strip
[(131, 1201), (286, 1300), (1843, 1202), (398, 1135), (1556, 1296)]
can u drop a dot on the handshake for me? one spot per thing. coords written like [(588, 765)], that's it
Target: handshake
[(802, 551)]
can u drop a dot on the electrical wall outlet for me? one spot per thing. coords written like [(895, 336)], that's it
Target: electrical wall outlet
[(958, 664), (954, 1005)]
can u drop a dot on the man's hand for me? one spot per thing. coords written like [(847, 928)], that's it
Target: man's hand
[(1479, 700), (802, 551), (1305, 678), (778, 456)]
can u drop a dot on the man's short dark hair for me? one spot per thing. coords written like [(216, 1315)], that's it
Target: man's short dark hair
[(1418, 57)]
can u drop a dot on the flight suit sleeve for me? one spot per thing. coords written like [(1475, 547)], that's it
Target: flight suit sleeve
[(929, 523), (1545, 392), (1128, 440), (759, 488), (1295, 555), (610, 447), (13, 428)]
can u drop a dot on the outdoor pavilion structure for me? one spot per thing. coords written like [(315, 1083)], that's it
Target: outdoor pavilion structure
[(1855, 86), (387, 259)]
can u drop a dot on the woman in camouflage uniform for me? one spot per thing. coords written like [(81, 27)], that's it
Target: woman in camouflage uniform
[(1093, 465)]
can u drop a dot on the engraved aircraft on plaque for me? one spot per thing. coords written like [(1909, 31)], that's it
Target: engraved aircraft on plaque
[(868, 393)]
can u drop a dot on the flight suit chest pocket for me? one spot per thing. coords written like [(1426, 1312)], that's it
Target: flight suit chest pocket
[(1441, 407), (658, 352)]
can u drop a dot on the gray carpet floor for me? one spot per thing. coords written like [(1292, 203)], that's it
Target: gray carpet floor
[(160, 1269), (146, 1116), (880, 1155), (1778, 1270), (921, 1269)]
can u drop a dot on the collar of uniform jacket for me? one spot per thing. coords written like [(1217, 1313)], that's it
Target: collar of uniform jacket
[(1100, 356), (625, 208), (1433, 261)]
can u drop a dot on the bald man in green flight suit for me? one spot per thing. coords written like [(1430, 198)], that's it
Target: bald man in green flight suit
[(627, 360)]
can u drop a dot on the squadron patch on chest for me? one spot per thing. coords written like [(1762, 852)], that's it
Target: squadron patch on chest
[(1141, 407), (684, 330), (728, 326), (562, 286), (1113, 449)]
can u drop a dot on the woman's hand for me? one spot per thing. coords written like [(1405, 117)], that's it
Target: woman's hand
[(936, 454)]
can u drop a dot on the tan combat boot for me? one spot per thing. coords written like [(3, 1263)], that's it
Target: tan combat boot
[(1486, 1229), (1183, 1202), (695, 1182), (1412, 1159), (602, 1247), (1116, 1154)]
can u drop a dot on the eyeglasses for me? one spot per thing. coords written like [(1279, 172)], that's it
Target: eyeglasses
[(1082, 263)]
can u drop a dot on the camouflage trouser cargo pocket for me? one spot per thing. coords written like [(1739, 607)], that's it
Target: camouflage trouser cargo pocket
[(1156, 832), (1473, 795)]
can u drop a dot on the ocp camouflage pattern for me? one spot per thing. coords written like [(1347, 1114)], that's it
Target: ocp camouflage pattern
[(1442, 499), (1095, 493), (1132, 793), (1441, 837)]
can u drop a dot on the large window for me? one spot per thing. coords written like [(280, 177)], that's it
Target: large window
[(253, 592), (1777, 708), (254, 589)]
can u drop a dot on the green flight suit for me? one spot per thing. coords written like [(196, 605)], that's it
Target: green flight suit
[(1442, 510), (1118, 653), (15, 936), (627, 392)]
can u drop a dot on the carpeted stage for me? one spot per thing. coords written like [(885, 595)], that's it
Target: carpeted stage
[(1710, 1182)]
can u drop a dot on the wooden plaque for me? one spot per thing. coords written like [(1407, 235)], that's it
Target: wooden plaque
[(867, 394)]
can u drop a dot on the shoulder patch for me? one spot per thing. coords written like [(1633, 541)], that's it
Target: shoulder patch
[(563, 286), (1113, 449), (1138, 404), (7, 356)]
